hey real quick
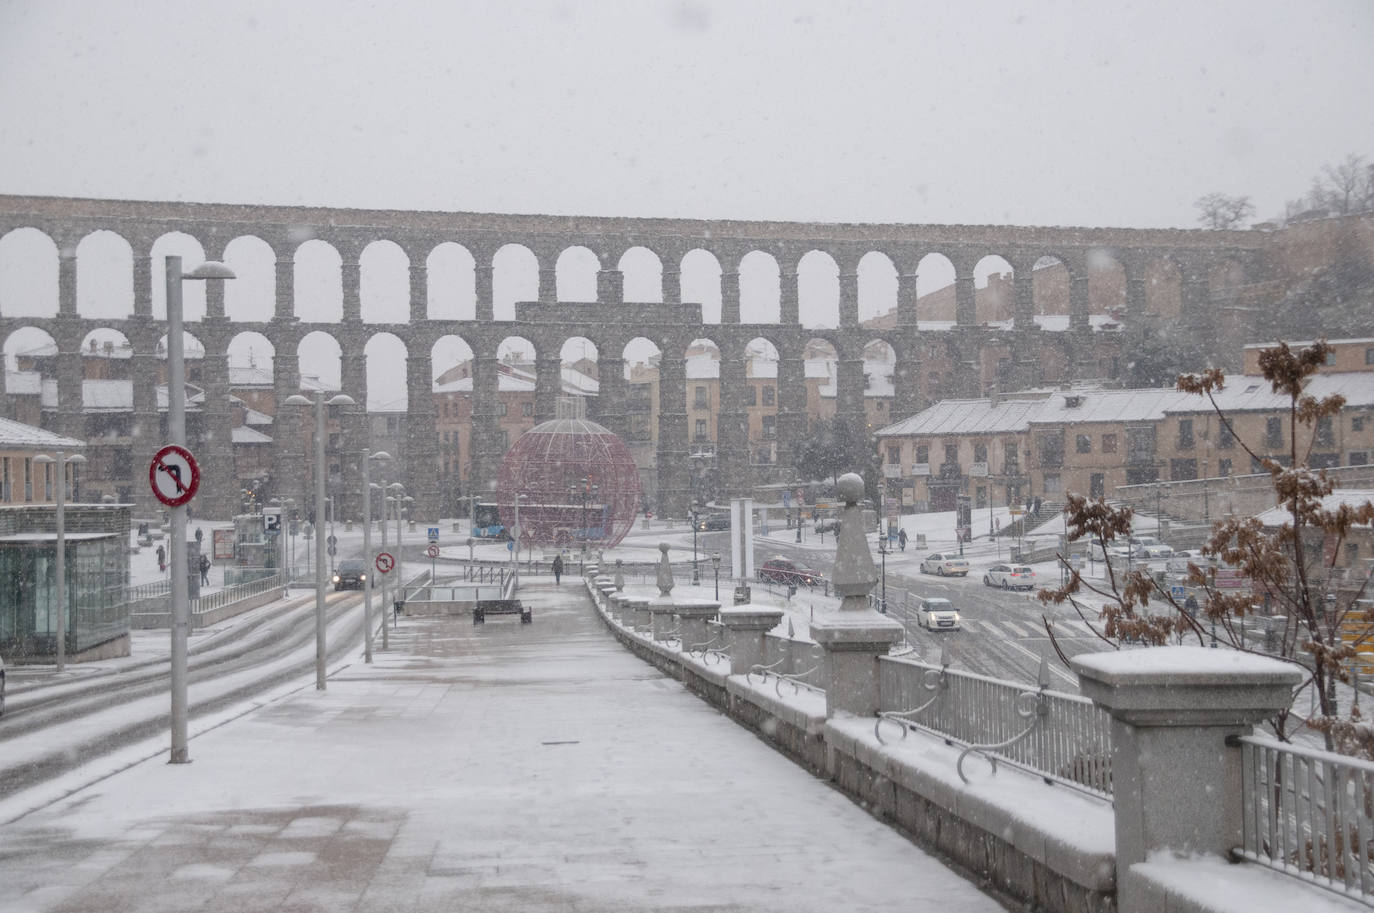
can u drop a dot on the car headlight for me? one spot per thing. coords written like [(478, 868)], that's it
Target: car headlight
[(336, 578), (362, 577)]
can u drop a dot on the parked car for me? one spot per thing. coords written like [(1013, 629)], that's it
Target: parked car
[(937, 614), (1118, 549), (828, 525), (1179, 561), (715, 521), (349, 574), (1010, 576), (786, 571), (944, 565), (1150, 547)]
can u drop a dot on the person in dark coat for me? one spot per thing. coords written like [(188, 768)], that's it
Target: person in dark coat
[(161, 559), (205, 569), (901, 539), (557, 569)]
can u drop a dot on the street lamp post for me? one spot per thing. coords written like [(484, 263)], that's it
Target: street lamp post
[(176, 430), (715, 566), (381, 457), (373, 568), (60, 568), (882, 550), (695, 579), (339, 399), (400, 499), (288, 556)]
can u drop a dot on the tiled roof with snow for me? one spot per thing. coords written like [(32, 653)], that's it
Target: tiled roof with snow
[(1251, 393), (249, 376), (968, 416), (254, 417), (18, 436), (1107, 406), (245, 435), (23, 383)]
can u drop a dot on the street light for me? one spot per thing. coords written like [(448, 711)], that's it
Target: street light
[(695, 579), (61, 460), (515, 538), (176, 430), (882, 550), (382, 488), (715, 566), (399, 499), (382, 457), (338, 399)]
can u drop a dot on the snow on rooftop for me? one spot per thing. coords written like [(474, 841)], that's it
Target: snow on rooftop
[(23, 383), (17, 435), (967, 416), (245, 435), (1347, 497), (1107, 406), (1252, 393)]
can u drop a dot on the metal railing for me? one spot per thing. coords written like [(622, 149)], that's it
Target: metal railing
[(1309, 814), (232, 594), (148, 590), (1065, 738)]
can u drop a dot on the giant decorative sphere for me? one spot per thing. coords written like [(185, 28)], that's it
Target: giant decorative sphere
[(579, 481)]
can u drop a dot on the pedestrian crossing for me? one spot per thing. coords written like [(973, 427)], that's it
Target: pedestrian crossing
[(1026, 628)]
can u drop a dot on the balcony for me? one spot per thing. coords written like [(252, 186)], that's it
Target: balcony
[(920, 469), (894, 470)]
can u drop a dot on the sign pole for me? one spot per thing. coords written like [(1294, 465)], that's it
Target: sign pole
[(176, 428)]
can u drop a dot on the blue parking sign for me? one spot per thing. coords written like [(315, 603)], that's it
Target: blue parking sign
[(1178, 592)]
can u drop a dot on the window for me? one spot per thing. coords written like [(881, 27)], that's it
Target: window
[(1011, 458), (1224, 467), (1109, 443), (1357, 423), (770, 428), (1226, 438), (1324, 460), (1357, 458), (1185, 434), (5, 479), (1052, 449), (527, 409), (1369, 356), (751, 395), (1097, 485), (1324, 433), (1083, 443), (501, 407), (894, 454), (701, 430), (980, 453), (1140, 446), (1273, 432), (1053, 485), (951, 453), (699, 397), (923, 454), (1181, 470), (47, 482), (1330, 359), (28, 479), (768, 396)]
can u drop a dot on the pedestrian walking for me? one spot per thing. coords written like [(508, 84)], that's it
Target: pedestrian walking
[(901, 540), (557, 569), (161, 560), (205, 569)]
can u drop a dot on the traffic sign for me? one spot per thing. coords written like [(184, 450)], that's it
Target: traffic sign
[(1178, 592), (385, 562), (433, 534), (331, 540), (331, 550), (174, 475), (432, 551)]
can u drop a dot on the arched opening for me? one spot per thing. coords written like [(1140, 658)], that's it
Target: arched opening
[(514, 277), (452, 363), (818, 290), (1106, 286), (192, 293), (252, 296), (580, 371), (385, 355), (640, 432), (935, 291), (700, 282), (760, 289), (702, 358), (643, 271), (320, 359), (761, 402), (28, 274), (452, 283), (576, 272), (105, 276), (318, 283), (384, 284), (994, 290), (1163, 289), (877, 288)]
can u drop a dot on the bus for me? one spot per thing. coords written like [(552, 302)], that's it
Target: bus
[(486, 521)]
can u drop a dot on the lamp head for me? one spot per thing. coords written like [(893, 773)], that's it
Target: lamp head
[(210, 269), (341, 399), (295, 399)]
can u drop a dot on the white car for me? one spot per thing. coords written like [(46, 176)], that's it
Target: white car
[(1010, 576), (1179, 561), (937, 615), (944, 565), (1150, 547)]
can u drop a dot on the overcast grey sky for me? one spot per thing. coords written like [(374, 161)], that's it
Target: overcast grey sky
[(1092, 113)]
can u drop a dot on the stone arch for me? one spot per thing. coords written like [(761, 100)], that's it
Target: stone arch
[(251, 357), (31, 346), (994, 290), (935, 288), (576, 272), (30, 359), (105, 276), (317, 283), (321, 361), (1106, 283), (760, 288), (700, 282), (643, 270), (452, 283), (820, 374), (581, 355), (28, 274), (818, 290), (192, 254), (761, 370), (386, 355), (451, 364), (106, 354), (1163, 288), (1050, 281), (515, 277), (384, 284), (877, 279), (252, 295), (880, 369)]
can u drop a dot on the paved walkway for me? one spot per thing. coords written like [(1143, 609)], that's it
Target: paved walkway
[(502, 767)]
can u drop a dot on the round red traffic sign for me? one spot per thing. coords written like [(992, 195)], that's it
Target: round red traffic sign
[(174, 475), (432, 551), (385, 562)]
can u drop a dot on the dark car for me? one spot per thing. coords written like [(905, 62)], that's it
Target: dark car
[(349, 574), (715, 521), (787, 571)]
